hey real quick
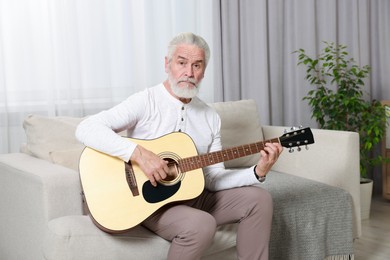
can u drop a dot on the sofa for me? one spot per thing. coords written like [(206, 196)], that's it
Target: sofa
[(315, 195)]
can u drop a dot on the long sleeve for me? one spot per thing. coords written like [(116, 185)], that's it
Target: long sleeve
[(100, 131)]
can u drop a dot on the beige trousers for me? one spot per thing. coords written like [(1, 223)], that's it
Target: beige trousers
[(191, 225)]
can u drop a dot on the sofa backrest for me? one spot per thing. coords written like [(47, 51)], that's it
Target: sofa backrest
[(53, 138)]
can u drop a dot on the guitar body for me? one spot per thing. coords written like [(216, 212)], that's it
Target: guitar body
[(119, 196)]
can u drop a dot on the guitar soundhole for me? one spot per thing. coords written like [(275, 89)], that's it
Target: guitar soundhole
[(174, 173), (167, 187)]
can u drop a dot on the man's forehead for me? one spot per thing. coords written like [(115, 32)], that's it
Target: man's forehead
[(189, 52)]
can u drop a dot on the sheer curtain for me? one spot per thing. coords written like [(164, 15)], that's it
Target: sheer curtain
[(77, 57), (258, 38)]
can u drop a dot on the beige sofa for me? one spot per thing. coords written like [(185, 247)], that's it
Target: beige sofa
[(315, 194)]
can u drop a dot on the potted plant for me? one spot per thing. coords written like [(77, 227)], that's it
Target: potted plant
[(338, 100)]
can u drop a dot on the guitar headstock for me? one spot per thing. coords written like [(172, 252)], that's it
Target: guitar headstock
[(297, 138)]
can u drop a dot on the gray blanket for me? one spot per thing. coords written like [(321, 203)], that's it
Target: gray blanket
[(311, 220)]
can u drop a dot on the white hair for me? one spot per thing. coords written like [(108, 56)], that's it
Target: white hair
[(188, 38)]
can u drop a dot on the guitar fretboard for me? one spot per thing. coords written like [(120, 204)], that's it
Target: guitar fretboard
[(200, 161)]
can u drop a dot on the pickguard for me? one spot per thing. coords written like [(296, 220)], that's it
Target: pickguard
[(160, 192)]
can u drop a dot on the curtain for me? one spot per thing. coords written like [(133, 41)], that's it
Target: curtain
[(77, 57), (257, 39)]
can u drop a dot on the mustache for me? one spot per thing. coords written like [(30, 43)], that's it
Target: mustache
[(187, 80)]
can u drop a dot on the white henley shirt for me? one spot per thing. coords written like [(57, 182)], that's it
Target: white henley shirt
[(152, 113)]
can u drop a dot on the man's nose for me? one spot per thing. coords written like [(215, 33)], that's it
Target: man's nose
[(189, 71)]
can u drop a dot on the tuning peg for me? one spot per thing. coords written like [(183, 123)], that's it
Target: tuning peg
[(291, 150), (299, 148), (307, 147)]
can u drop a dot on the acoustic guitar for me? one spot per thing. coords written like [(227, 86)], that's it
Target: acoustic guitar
[(119, 196)]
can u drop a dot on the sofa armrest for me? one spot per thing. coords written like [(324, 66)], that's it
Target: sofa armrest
[(333, 159), (33, 191), (58, 187)]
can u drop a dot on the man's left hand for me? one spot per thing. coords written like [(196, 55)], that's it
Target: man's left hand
[(269, 156)]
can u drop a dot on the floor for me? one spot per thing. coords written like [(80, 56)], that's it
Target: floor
[(375, 241)]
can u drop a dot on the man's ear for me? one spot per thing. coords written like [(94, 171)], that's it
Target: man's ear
[(166, 64)]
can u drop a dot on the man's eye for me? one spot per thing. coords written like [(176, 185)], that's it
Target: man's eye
[(197, 66)]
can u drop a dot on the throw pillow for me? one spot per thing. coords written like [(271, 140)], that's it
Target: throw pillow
[(240, 125), (68, 158), (47, 136)]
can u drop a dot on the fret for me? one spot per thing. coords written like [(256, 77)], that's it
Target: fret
[(254, 148), (260, 146), (230, 153), (184, 165), (247, 149), (224, 155), (234, 152), (203, 160)]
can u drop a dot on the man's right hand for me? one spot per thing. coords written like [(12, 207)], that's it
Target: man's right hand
[(153, 166)]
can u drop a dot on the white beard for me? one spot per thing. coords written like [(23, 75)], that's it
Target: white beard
[(187, 91)]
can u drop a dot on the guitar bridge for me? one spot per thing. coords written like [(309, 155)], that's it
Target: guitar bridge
[(131, 181)]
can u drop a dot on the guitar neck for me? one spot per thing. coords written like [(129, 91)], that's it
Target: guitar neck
[(200, 161)]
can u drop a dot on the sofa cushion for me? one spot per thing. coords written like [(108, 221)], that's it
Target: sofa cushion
[(76, 237), (240, 125), (53, 139)]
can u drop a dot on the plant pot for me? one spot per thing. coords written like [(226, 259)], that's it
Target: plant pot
[(365, 197)]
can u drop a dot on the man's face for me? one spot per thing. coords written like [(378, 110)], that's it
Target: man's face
[(186, 70)]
